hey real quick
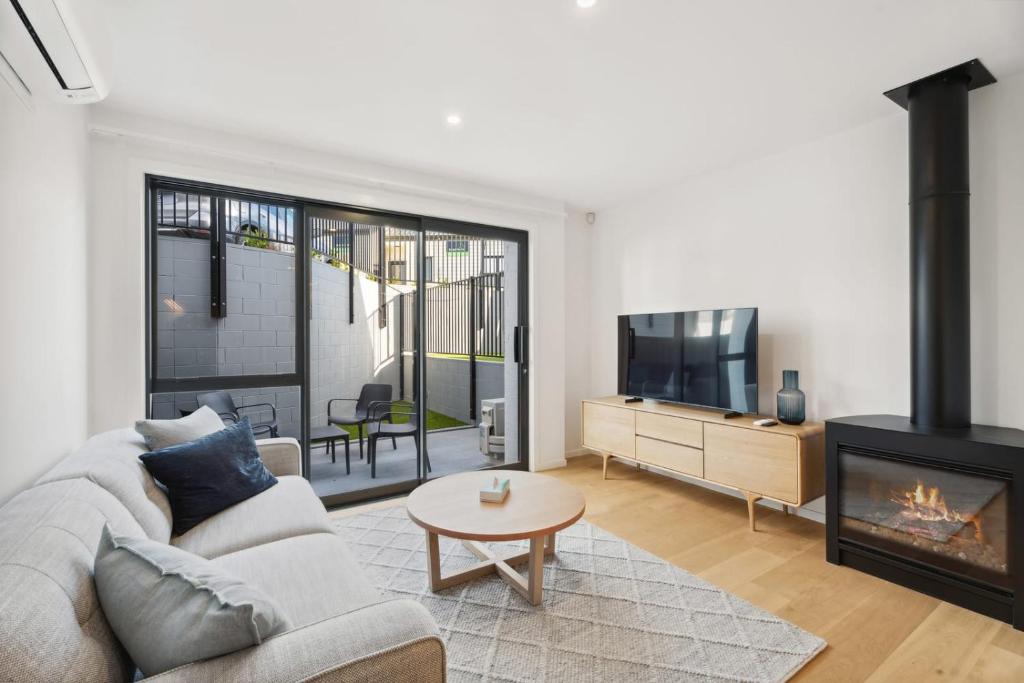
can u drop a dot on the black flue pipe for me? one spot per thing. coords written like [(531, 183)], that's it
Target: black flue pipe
[(940, 244), (940, 278)]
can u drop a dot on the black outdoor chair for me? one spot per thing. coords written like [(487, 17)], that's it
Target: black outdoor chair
[(378, 428), (369, 395), (222, 404)]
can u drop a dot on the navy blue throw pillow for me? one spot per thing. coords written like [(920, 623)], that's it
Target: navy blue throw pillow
[(209, 474)]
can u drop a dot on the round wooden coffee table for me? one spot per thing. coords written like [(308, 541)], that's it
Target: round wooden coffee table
[(536, 508)]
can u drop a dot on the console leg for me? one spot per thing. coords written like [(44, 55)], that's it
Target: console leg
[(604, 471), (751, 499)]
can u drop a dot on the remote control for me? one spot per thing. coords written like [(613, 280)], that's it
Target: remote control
[(766, 422)]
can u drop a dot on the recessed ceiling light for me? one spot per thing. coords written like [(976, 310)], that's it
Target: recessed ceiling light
[(586, 4), (454, 120)]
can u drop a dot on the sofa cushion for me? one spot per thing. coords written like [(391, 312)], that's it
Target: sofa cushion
[(312, 577), (170, 607), (111, 460), (165, 433), (290, 508), (209, 474), (51, 624)]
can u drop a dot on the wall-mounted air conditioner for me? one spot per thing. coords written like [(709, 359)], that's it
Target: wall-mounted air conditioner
[(48, 49)]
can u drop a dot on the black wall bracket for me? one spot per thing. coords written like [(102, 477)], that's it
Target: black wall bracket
[(975, 72)]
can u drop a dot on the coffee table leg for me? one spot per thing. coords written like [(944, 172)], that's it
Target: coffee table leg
[(549, 544), (531, 587), (535, 570), (434, 562)]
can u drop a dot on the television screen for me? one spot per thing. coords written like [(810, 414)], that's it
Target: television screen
[(703, 358)]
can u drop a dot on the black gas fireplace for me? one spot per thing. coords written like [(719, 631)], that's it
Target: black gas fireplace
[(932, 501), (933, 509)]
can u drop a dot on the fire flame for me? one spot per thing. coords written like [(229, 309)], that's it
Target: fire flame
[(928, 505)]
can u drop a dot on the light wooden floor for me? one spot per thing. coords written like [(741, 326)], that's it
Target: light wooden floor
[(876, 631)]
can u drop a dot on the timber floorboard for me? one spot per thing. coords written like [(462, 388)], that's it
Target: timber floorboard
[(876, 631)]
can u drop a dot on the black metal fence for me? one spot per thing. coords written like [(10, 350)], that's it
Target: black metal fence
[(360, 246), (448, 258), (183, 211), (379, 250), (254, 224), (464, 280), (465, 318), (464, 276), (451, 258)]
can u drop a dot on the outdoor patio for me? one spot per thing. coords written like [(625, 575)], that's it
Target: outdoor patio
[(451, 451), (363, 323)]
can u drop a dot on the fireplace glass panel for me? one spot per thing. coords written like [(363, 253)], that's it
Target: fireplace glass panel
[(943, 517)]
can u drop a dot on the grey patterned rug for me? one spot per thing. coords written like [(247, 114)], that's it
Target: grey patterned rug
[(611, 612)]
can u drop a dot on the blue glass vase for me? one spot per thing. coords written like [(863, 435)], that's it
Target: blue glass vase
[(791, 408)]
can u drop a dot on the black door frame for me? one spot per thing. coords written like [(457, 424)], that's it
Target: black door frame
[(160, 385), (521, 239), (351, 214), (303, 302)]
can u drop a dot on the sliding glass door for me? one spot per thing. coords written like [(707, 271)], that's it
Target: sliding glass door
[(363, 353), (474, 319), (391, 346), (402, 309)]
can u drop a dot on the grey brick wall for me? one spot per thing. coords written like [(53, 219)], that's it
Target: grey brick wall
[(258, 334), (448, 385), (346, 356)]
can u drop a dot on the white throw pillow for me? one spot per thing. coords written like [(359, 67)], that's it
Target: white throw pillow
[(163, 433), (169, 607)]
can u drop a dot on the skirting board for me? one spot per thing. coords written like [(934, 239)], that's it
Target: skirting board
[(550, 465), (814, 510)]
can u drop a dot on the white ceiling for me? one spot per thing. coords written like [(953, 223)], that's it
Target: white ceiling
[(588, 106)]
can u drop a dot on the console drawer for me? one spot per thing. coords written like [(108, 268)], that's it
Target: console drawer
[(671, 456), (609, 429), (668, 428), (752, 460)]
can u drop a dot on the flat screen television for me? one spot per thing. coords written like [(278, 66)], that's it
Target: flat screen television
[(700, 358)]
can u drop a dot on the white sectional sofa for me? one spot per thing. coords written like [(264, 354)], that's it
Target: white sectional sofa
[(53, 629)]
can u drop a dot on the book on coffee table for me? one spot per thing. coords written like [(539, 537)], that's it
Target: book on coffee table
[(496, 492)]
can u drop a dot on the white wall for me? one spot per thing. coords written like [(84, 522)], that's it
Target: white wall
[(43, 371), (127, 147), (577, 325), (817, 238)]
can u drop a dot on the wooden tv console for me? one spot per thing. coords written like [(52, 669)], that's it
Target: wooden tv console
[(784, 463)]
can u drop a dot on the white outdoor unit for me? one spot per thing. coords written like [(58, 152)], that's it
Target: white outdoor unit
[(492, 426), (46, 51)]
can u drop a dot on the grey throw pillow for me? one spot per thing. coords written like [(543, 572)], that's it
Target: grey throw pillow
[(165, 433), (169, 607)]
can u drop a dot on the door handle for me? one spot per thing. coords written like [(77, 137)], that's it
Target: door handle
[(519, 344)]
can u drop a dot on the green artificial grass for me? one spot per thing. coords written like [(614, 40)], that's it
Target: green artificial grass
[(455, 356), (441, 421), (435, 421)]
